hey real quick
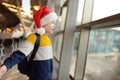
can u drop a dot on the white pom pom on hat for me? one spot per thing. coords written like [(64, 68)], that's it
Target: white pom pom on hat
[(42, 17), (40, 30)]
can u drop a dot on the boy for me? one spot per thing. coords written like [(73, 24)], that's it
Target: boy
[(42, 67)]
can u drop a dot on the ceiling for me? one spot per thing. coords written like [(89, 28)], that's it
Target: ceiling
[(13, 5), (33, 2)]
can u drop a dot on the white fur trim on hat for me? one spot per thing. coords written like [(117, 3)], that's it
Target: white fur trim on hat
[(40, 30), (48, 18)]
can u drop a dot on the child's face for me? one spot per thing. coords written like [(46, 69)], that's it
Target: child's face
[(49, 28)]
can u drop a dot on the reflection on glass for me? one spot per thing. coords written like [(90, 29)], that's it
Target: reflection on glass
[(103, 60), (105, 8), (62, 18), (74, 53)]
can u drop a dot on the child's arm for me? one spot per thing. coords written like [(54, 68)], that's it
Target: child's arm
[(15, 58), (9, 62)]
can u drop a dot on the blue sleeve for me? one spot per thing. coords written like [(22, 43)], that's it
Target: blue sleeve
[(14, 59)]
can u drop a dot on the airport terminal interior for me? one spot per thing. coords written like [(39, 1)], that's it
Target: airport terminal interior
[(86, 40)]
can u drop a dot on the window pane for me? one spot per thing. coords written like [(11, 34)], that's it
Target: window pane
[(57, 46), (104, 8), (103, 55), (74, 53), (80, 11), (62, 18)]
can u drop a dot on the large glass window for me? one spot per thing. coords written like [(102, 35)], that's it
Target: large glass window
[(104, 8), (103, 60), (57, 40)]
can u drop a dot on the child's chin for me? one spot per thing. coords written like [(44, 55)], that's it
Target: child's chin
[(51, 32)]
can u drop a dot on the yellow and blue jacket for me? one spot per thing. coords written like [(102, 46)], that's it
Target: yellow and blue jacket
[(42, 67)]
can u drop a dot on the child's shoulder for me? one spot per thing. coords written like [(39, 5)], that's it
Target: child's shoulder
[(45, 40), (31, 38)]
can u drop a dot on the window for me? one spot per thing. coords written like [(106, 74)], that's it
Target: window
[(105, 8), (103, 55)]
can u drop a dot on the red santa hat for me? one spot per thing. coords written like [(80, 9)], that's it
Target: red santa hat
[(42, 17)]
